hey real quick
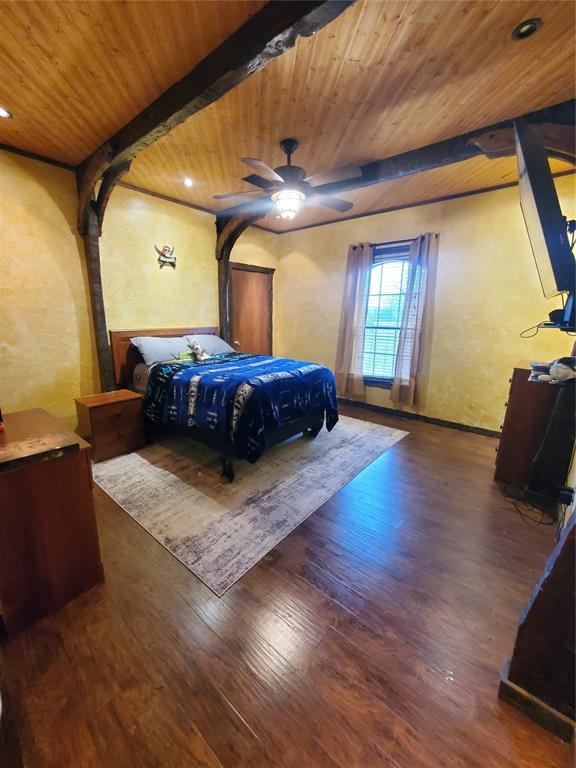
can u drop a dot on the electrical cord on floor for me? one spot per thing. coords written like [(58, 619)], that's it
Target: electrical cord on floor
[(527, 518), (531, 522), (544, 517)]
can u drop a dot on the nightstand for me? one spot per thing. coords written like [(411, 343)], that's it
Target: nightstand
[(111, 422)]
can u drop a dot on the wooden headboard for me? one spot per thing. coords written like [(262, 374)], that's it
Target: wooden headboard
[(125, 357)]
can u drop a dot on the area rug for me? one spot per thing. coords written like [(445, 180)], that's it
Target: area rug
[(219, 530)]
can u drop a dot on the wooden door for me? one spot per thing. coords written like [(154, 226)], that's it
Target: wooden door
[(251, 308)]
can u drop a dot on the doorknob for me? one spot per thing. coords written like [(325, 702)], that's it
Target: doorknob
[(236, 343)]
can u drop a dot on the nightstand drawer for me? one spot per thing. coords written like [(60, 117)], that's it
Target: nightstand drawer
[(117, 429), (109, 443), (116, 416)]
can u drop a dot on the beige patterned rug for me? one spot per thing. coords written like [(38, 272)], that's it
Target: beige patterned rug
[(219, 530)]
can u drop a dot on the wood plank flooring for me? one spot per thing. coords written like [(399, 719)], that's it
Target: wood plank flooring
[(373, 636)]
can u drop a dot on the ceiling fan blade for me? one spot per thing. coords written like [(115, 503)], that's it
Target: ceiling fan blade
[(341, 173), (331, 202), (258, 181), (262, 168), (235, 194)]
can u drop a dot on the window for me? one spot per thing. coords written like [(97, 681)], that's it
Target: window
[(385, 309)]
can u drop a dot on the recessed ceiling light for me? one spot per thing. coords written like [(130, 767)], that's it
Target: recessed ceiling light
[(188, 182), (526, 29), (5, 114)]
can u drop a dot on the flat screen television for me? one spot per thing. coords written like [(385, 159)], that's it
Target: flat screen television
[(545, 223)]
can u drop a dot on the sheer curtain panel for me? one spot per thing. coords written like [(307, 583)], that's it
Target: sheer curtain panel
[(350, 351)]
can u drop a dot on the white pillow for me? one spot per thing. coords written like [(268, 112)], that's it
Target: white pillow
[(213, 345), (156, 349)]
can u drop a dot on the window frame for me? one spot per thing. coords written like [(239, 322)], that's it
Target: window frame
[(400, 252)]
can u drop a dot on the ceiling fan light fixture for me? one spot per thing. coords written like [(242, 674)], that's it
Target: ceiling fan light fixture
[(288, 202)]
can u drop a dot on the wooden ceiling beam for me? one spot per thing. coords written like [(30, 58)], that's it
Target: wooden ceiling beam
[(111, 177), (455, 150), (228, 230), (269, 33), (556, 124), (86, 182), (560, 141)]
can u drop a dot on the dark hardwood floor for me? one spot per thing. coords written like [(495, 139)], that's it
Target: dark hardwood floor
[(374, 635)]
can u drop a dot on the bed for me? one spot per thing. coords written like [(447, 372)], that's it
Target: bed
[(236, 403)]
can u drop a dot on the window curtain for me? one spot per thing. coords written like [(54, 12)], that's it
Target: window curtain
[(403, 389), (350, 352)]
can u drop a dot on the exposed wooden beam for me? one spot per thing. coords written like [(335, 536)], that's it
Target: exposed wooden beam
[(559, 140), (92, 248), (417, 204), (87, 179), (228, 230), (269, 33), (446, 152), (556, 124), (109, 181), (91, 211)]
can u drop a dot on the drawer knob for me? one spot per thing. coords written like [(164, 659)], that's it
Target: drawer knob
[(121, 434), (118, 413)]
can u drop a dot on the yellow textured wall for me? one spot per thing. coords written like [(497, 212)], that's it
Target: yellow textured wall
[(46, 349), (484, 292), (137, 293), (47, 352)]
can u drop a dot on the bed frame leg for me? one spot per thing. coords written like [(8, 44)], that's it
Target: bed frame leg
[(313, 431), (149, 431), (228, 468)]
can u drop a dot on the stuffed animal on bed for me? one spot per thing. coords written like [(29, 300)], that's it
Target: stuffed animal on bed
[(198, 353)]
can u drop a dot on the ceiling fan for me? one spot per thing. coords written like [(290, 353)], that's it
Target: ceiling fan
[(288, 188)]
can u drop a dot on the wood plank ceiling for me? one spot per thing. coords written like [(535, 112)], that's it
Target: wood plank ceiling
[(73, 73), (386, 77)]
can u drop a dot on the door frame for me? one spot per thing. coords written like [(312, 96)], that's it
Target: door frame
[(253, 268)]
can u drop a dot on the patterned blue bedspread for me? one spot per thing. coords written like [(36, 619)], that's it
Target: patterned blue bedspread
[(240, 396)]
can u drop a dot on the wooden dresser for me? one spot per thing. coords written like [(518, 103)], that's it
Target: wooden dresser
[(49, 549), (527, 415), (111, 422)]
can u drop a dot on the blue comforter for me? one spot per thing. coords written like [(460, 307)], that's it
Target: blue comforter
[(240, 396)]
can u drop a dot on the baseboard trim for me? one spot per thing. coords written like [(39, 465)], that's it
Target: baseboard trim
[(535, 709), (420, 417)]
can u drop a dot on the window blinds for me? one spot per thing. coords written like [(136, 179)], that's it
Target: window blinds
[(399, 249), (388, 285)]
